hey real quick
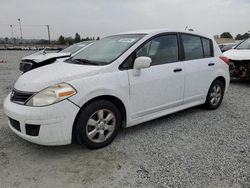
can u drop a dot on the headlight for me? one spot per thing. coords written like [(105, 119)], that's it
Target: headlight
[(52, 95)]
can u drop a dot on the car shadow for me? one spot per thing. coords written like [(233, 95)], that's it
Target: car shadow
[(131, 131), (162, 121), (240, 82)]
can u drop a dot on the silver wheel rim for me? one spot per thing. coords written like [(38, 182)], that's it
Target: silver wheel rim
[(215, 95), (101, 125)]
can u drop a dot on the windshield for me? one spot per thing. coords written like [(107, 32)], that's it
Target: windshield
[(74, 48), (244, 45), (107, 49)]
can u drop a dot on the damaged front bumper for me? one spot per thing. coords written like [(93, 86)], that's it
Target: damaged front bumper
[(240, 69)]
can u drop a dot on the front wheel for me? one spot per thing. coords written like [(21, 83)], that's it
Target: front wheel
[(215, 95), (97, 124)]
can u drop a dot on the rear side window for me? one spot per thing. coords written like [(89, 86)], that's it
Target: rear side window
[(206, 47), (192, 47)]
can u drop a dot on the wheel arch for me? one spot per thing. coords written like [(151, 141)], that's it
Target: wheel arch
[(222, 79), (116, 101)]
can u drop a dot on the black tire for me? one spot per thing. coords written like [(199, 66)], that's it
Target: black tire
[(209, 104), (86, 114)]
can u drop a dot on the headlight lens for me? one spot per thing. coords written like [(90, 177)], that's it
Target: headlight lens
[(52, 95)]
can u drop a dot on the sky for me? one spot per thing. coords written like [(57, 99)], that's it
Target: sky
[(104, 17)]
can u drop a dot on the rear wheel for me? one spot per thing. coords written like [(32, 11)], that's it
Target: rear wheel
[(215, 95), (98, 124)]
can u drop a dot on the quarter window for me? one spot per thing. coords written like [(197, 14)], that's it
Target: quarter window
[(192, 47), (161, 50)]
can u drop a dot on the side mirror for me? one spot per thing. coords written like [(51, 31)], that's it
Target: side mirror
[(142, 62)]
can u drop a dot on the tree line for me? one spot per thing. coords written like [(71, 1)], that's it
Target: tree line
[(70, 40), (238, 36), (61, 40)]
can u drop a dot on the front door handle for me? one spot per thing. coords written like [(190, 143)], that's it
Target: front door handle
[(177, 70), (211, 64)]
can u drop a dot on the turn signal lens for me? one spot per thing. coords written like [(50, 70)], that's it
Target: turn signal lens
[(66, 94)]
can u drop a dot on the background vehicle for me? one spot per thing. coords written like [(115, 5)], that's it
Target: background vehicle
[(239, 58), (42, 58), (228, 46), (120, 81)]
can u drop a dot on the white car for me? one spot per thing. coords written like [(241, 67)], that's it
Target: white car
[(42, 58), (239, 58), (120, 81)]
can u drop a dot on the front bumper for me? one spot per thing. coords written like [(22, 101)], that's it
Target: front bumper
[(55, 121)]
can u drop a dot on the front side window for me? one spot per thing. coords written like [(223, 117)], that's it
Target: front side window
[(161, 50), (106, 50), (192, 47)]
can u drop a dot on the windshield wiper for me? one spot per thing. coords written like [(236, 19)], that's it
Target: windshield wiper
[(84, 61)]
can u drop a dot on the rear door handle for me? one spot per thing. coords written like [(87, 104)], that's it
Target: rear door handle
[(211, 64), (177, 70)]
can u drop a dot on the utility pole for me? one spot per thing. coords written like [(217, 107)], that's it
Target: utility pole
[(21, 32), (12, 33), (48, 33)]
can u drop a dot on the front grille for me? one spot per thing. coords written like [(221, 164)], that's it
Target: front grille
[(20, 97), (15, 124)]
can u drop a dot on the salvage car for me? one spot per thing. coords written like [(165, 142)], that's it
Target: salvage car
[(239, 58), (228, 46), (42, 58), (119, 81)]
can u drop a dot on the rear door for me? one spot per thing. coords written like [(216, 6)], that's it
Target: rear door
[(199, 66)]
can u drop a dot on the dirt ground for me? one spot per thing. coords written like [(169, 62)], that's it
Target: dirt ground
[(191, 148)]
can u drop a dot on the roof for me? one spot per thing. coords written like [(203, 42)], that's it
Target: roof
[(158, 31)]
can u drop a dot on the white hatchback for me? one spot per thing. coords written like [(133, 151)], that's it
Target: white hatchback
[(119, 81)]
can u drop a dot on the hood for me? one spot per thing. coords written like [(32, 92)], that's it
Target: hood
[(40, 78), (42, 56), (235, 54)]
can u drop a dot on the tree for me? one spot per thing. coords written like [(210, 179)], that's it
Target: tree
[(245, 36), (14, 40), (61, 40), (77, 37), (242, 37), (42, 41), (69, 40), (226, 35), (98, 38), (6, 39), (238, 37)]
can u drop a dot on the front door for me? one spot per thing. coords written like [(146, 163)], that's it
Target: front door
[(161, 86)]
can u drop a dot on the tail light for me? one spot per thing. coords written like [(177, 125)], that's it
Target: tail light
[(225, 59)]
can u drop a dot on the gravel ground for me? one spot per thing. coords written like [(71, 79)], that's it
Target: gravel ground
[(191, 148)]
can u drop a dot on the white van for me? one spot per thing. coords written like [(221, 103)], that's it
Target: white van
[(119, 81)]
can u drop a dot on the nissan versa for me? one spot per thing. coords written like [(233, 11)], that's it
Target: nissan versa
[(119, 81)]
